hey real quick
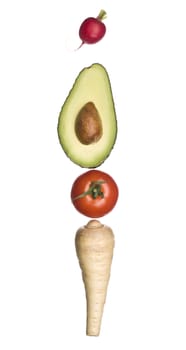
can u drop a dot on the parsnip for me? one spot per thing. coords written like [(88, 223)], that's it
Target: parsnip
[(94, 247)]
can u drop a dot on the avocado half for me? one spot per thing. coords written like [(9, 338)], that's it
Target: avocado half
[(91, 86)]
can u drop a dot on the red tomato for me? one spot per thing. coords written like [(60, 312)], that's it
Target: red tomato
[(94, 193)]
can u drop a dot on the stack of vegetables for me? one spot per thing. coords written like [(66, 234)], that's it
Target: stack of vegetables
[(87, 131)]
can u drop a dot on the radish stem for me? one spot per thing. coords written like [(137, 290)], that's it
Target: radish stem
[(102, 15)]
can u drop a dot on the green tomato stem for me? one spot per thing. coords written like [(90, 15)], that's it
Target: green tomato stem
[(94, 191)]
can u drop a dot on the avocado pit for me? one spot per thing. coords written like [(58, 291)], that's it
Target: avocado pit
[(88, 125)]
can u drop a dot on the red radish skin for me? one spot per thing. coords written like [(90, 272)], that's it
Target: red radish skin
[(92, 29)]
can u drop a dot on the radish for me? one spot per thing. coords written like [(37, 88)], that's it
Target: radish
[(92, 29)]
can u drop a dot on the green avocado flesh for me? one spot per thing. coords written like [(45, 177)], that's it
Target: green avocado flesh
[(90, 107)]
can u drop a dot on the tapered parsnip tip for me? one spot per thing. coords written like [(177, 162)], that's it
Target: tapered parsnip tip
[(94, 247), (93, 334)]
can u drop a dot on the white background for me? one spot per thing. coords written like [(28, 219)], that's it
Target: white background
[(42, 301)]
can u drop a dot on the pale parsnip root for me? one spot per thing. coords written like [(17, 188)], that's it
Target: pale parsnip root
[(94, 247)]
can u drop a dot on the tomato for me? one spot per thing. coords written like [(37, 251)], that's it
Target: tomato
[(94, 193)]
